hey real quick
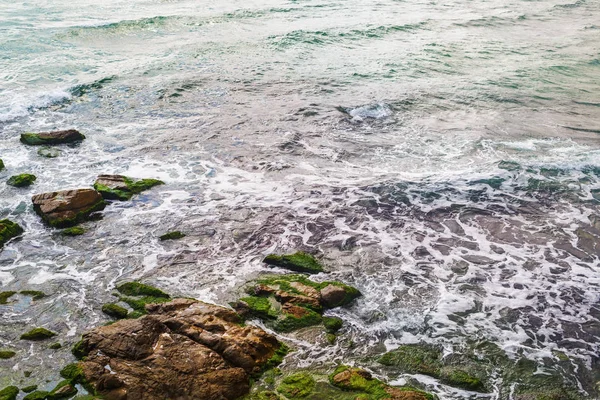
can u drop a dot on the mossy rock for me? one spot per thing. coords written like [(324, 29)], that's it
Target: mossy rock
[(140, 289), (21, 180), (49, 152), (415, 359), (63, 390), (37, 395), (297, 262), (291, 322), (6, 354), (9, 393), (1, 165), (115, 311), (4, 296), (55, 346), (8, 231), (29, 389), (172, 235), (460, 378), (297, 386), (73, 231), (38, 334), (34, 294), (51, 138), (332, 324), (119, 187)]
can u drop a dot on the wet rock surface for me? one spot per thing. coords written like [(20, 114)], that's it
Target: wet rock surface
[(182, 349), (119, 187), (67, 208), (51, 138)]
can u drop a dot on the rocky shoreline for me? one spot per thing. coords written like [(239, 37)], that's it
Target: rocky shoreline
[(161, 347)]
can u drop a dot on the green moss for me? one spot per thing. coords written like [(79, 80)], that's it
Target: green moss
[(331, 338), (37, 395), (291, 322), (133, 187), (298, 262), (462, 379), (73, 231), (6, 354), (4, 296), (73, 373), (297, 386), (29, 389), (139, 304), (63, 390), (172, 235), (21, 180), (332, 324), (283, 282), (9, 393), (35, 294), (78, 350), (38, 334), (8, 230), (55, 346), (415, 359), (114, 311), (278, 357), (1, 165), (260, 307), (140, 289)]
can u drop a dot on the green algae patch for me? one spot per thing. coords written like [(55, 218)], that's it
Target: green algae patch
[(297, 386), (8, 231), (415, 359), (332, 324), (297, 262), (37, 395), (38, 334), (172, 235), (462, 379), (260, 307), (72, 372), (29, 389), (115, 311), (139, 304), (4, 296), (73, 231), (297, 319), (9, 393), (34, 294), (21, 180), (6, 354), (277, 357), (140, 289), (118, 187), (55, 346)]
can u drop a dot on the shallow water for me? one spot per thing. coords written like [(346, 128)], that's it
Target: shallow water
[(371, 134)]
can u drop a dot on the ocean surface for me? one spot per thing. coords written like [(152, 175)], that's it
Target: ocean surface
[(441, 156)]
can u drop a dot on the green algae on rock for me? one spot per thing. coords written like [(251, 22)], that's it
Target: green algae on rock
[(297, 386), (297, 262), (67, 208), (290, 302), (332, 324), (51, 138), (55, 346), (37, 334), (114, 310), (34, 294), (119, 187), (142, 295), (37, 395), (73, 231), (8, 231), (6, 354), (21, 180), (9, 393), (4, 296), (172, 235), (29, 389), (63, 389), (1, 164)]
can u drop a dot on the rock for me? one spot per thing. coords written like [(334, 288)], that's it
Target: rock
[(21, 180), (73, 231), (119, 187), (37, 334), (4, 296), (49, 138), (172, 235), (8, 230), (183, 349), (49, 152), (9, 393), (6, 354), (67, 207), (114, 310), (336, 296), (1, 165), (298, 262)]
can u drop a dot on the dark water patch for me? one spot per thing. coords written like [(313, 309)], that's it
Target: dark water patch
[(86, 88)]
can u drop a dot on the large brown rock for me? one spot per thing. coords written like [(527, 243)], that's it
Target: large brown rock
[(184, 349), (56, 137), (67, 207)]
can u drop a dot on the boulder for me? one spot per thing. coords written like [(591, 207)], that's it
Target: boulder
[(49, 138), (333, 296), (67, 207), (183, 349), (119, 187)]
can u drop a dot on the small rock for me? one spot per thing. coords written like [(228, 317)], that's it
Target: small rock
[(37, 334), (8, 230), (21, 180), (172, 235), (49, 152), (333, 296)]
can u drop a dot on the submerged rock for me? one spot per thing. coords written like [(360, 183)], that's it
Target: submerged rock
[(38, 334), (67, 207), (9, 393), (4, 296), (172, 235), (49, 138), (114, 310), (21, 180), (119, 187), (49, 152), (181, 349), (8, 230), (290, 302), (297, 262), (6, 354)]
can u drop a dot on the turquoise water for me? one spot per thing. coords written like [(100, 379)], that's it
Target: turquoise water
[(444, 157)]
